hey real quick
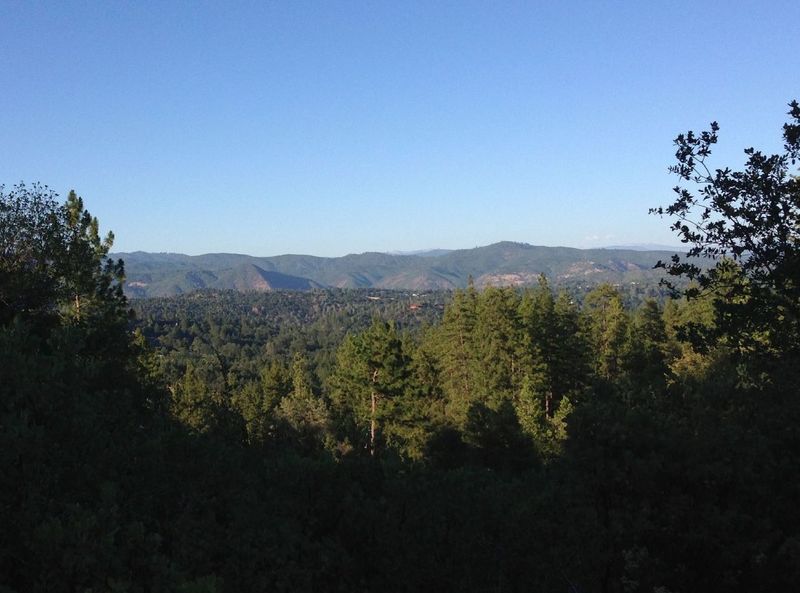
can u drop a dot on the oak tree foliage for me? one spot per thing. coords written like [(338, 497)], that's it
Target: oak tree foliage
[(747, 224)]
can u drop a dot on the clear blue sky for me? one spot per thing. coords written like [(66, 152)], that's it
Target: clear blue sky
[(341, 127)]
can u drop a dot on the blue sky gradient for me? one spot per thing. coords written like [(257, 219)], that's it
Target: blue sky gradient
[(341, 127)]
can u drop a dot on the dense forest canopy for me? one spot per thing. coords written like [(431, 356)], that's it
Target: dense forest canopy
[(499, 439)]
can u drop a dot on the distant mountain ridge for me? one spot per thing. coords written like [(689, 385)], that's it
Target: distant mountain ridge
[(506, 263), (646, 247), (421, 252)]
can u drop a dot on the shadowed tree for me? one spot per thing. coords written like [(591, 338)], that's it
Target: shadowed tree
[(497, 338), (305, 413), (457, 353), (608, 327), (77, 418), (749, 222), (53, 260), (369, 382)]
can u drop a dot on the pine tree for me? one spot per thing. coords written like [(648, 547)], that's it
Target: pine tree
[(497, 336), (78, 423), (608, 327), (455, 344), (256, 401), (302, 411), (538, 310), (370, 378), (556, 349), (646, 363)]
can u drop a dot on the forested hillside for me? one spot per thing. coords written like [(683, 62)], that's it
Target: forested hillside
[(501, 264), (488, 439)]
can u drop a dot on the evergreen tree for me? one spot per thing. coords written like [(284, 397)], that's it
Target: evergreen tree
[(646, 359), (547, 431), (257, 400), (608, 327), (305, 413), (78, 422), (496, 337), (557, 365), (538, 312), (572, 372), (368, 385), (457, 354)]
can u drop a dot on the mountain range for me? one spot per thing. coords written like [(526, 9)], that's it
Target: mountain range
[(500, 264)]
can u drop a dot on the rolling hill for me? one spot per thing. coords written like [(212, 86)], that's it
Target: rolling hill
[(504, 264)]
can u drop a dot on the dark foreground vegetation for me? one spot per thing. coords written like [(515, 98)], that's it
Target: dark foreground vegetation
[(506, 441)]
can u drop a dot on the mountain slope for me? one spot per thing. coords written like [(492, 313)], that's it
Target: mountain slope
[(505, 263), (248, 276)]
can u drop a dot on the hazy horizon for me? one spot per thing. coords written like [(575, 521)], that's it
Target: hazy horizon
[(422, 252)]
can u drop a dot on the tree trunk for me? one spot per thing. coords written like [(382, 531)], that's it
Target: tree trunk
[(372, 425), (374, 409)]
